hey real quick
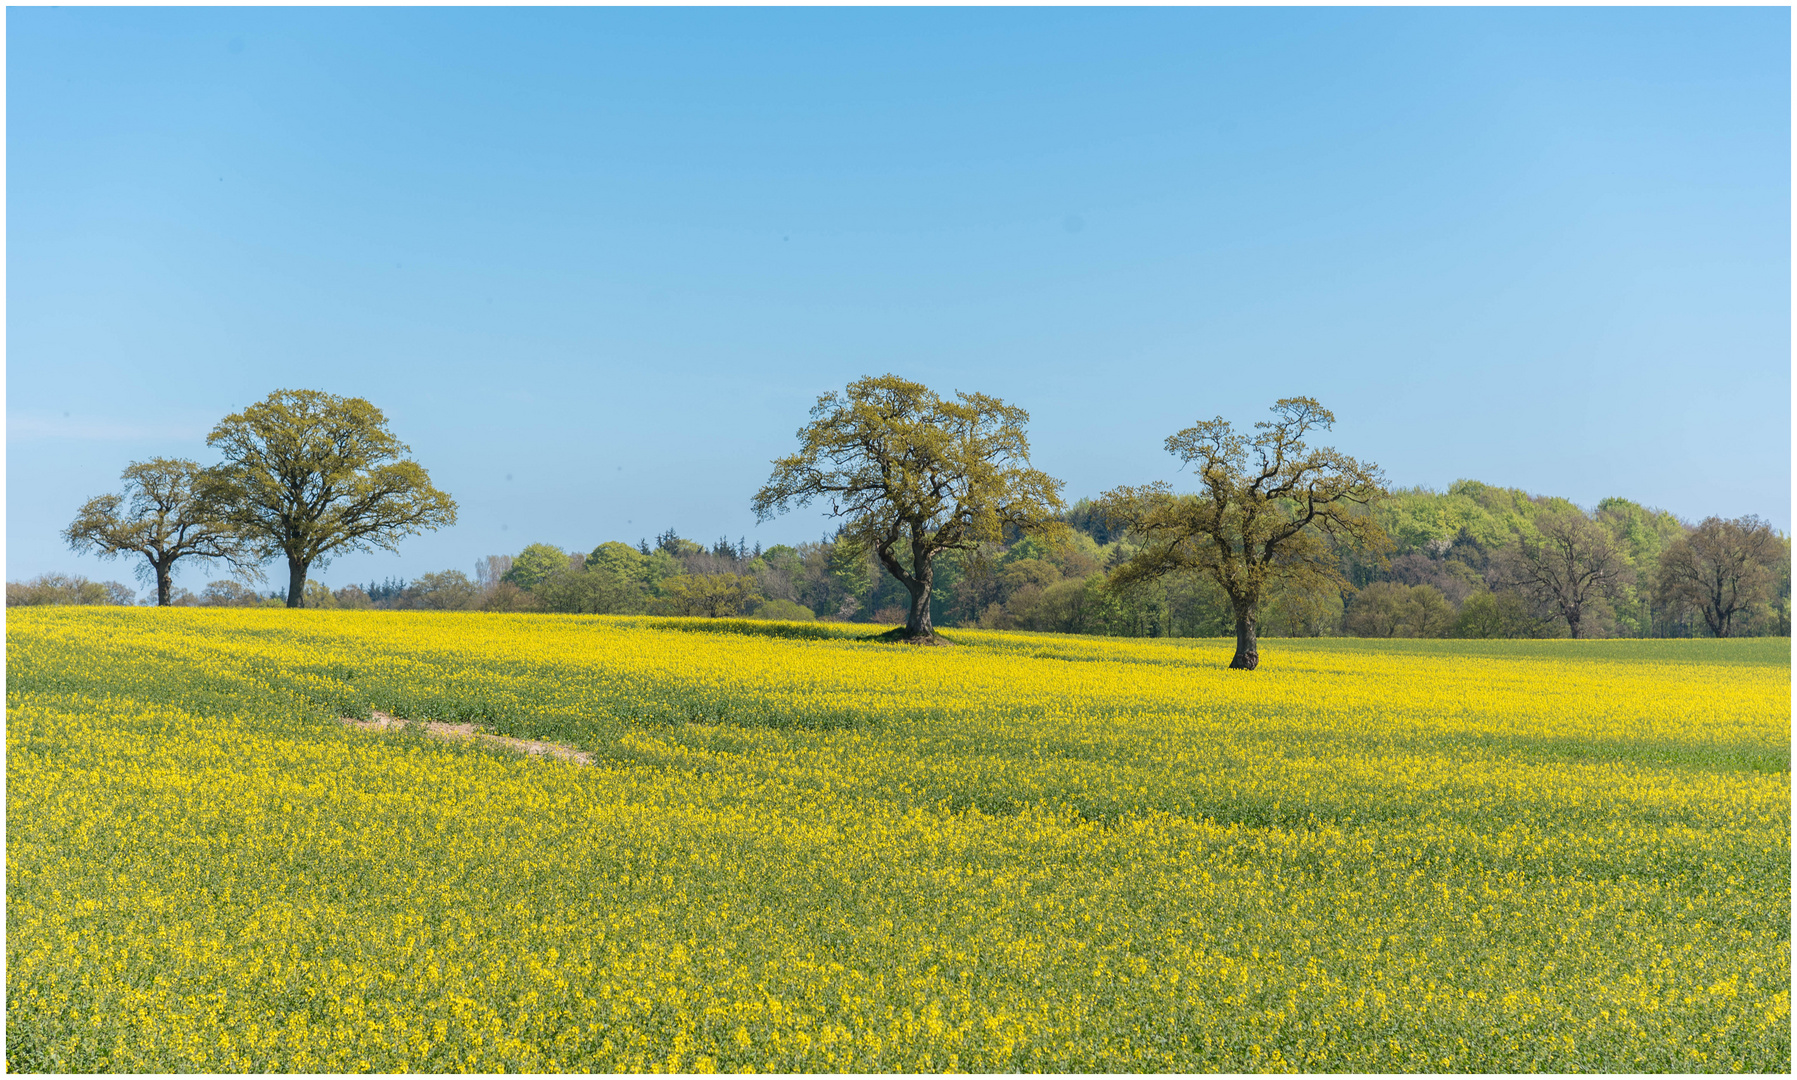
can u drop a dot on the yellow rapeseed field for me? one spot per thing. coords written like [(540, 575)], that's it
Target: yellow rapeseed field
[(803, 852)]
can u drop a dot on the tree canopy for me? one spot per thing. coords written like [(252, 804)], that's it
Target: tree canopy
[(161, 516), (914, 474), (1271, 510), (1723, 568), (534, 564), (308, 474), (1566, 561)]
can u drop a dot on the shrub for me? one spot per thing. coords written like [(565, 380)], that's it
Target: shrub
[(508, 597), (1388, 609), (228, 593), (784, 611), (66, 589), (1499, 615), (353, 598), (446, 590)]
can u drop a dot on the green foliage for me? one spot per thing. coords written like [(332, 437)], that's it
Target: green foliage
[(1726, 570), (1568, 564), (1090, 518), (1271, 510), (621, 560), (1387, 609), (506, 597), (535, 563), (1416, 518), (783, 610), (850, 565), (352, 598), (596, 590), (1499, 615), (162, 517), (228, 593), (677, 546), (659, 568), (319, 597), (913, 474), (714, 596), (1302, 612), (308, 475)]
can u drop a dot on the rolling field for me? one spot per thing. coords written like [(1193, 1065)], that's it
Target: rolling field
[(1026, 853)]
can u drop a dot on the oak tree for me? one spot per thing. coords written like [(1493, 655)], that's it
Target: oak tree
[(308, 475), (914, 474), (161, 516), (1271, 509), (1569, 562), (1722, 568)]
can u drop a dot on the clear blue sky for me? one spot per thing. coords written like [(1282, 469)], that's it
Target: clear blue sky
[(596, 264)]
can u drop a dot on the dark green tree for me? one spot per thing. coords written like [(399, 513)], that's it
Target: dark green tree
[(1723, 568), (1568, 562), (1271, 510)]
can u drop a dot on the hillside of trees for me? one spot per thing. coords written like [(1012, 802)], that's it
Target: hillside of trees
[(1452, 570)]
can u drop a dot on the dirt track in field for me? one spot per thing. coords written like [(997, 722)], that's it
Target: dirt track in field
[(439, 729)]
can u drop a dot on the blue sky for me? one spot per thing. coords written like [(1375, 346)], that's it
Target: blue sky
[(596, 265)]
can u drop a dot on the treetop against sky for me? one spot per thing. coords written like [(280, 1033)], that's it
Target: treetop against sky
[(595, 265)]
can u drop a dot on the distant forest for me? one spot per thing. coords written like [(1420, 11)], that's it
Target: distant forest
[(1448, 573)]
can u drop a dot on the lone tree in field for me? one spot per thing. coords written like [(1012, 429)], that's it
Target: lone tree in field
[(308, 475), (1722, 568), (160, 516), (1569, 563), (915, 475), (1272, 509)]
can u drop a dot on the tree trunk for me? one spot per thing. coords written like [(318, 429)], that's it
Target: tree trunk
[(1572, 622), (1715, 615), (296, 582), (917, 583), (164, 582), (917, 623), (1247, 645)]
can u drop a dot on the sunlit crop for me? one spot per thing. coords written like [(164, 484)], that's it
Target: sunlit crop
[(1024, 853)]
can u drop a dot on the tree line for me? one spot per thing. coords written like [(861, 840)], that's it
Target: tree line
[(943, 522)]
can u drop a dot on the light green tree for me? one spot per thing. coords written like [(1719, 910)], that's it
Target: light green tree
[(914, 474), (593, 590), (309, 475), (626, 562), (535, 563), (710, 595), (161, 516)]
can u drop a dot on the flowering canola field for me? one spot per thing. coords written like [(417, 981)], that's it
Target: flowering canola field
[(1027, 853)]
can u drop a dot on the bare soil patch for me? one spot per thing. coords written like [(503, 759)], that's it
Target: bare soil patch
[(439, 729), (896, 636)]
